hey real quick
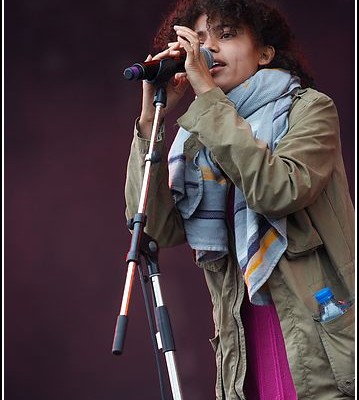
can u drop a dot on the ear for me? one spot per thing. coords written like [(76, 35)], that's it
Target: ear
[(266, 55)]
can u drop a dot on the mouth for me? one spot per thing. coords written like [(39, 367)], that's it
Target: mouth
[(217, 65)]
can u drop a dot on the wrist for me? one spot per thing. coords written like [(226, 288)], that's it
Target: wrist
[(203, 88), (144, 127)]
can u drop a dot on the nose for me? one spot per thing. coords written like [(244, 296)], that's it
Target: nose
[(211, 43)]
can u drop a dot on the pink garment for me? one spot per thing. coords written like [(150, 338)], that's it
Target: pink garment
[(268, 375)]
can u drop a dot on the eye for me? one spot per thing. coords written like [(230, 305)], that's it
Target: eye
[(228, 33)]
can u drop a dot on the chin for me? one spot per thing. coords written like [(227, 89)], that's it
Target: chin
[(225, 88), (222, 86)]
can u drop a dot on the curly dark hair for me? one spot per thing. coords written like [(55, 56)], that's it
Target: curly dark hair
[(266, 23)]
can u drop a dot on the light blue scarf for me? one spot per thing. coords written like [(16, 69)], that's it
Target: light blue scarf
[(200, 189)]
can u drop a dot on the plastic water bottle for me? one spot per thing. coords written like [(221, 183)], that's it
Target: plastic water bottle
[(329, 307)]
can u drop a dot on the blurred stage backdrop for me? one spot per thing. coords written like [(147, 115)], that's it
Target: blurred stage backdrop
[(68, 127)]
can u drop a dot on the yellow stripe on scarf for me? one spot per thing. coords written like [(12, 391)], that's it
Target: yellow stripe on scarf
[(208, 175), (257, 258)]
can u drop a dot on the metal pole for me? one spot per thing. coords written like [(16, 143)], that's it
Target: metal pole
[(133, 261)]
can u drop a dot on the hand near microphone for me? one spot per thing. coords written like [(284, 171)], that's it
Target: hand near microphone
[(197, 72), (175, 88), (197, 75)]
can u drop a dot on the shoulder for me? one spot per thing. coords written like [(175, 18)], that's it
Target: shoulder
[(309, 96), (312, 102)]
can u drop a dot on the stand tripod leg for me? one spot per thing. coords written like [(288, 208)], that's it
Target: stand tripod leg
[(122, 318), (133, 256), (165, 330)]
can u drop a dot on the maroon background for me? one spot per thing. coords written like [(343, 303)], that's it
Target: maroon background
[(68, 128)]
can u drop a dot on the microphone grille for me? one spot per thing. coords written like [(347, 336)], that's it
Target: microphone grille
[(133, 73), (208, 56)]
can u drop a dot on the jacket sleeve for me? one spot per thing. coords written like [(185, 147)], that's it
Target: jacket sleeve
[(164, 222), (276, 183)]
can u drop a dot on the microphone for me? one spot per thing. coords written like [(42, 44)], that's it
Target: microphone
[(162, 70)]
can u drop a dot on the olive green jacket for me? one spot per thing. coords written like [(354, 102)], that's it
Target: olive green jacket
[(303, 179)]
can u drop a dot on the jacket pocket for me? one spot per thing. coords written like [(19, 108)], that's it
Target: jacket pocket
[(214, 266), (338, 338)]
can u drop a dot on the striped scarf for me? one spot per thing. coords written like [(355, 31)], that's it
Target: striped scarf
[(199, 188)]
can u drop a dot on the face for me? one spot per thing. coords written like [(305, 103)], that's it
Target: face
[(236, 54)]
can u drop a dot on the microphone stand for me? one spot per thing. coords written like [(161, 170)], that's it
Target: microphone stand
[(142, 243)]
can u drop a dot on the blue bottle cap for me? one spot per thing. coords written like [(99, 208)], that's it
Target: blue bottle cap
[(323, 295)]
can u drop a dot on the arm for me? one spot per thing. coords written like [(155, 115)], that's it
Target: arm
[(164, 222), (274, 184)]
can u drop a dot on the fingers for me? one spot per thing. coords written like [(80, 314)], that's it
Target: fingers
[(180, 79), (188, 39), (187, 34), (162, 54), (198, 74), (173, 44), (173, 50)]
